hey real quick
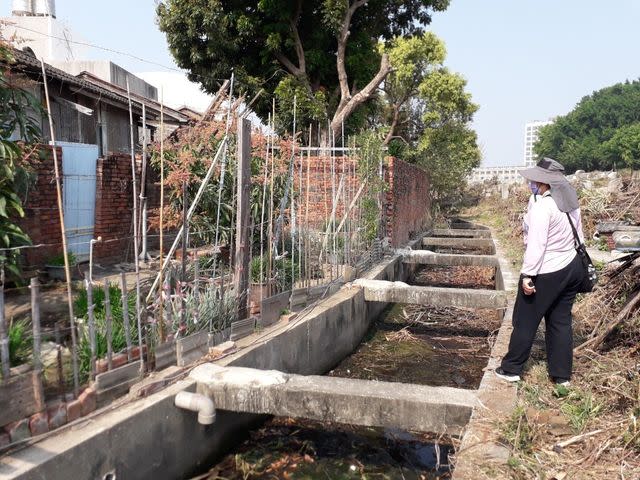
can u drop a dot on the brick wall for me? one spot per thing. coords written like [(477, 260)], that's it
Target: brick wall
[(41, 219), (114, 215), (408, 202), (320, 187), (407, 199)]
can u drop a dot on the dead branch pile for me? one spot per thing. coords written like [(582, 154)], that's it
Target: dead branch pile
[(608, 317)]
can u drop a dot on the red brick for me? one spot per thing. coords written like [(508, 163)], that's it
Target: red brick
[(74, 410), (18, 430), (88, 399), (39, 424), (5, 439), (57, 415)]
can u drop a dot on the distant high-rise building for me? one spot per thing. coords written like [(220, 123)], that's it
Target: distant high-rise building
[(531, 130)]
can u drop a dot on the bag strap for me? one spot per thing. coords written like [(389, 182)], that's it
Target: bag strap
[(576, 238)]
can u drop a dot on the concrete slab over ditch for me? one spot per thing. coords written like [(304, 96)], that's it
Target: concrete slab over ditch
[(476, 243), (426, 257), (460, 233), (332, 399), (400, 292)]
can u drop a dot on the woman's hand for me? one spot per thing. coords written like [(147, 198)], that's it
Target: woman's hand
[(527, 286)]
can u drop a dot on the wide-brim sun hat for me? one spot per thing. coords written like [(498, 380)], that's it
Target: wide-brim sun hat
[(551, 172)]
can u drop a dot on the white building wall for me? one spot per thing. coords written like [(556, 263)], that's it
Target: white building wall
[(531, 135), (49, 38)]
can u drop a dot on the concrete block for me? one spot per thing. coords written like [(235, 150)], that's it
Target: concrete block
[(88, 401), (165, 355), (331, 399), (192, 348), (39, 424), (426, 257), (19, 430), (460, 233), (74, 410), (400, 292), (476, 243), (57, 415)]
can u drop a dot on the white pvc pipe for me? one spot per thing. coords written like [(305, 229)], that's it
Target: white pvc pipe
[(196, 402)]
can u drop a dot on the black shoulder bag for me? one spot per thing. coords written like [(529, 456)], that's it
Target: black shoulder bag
[(590, 275)]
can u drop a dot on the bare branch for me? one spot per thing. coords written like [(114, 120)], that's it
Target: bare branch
[(302, 63), (288, 64), (343, 36), (346, 108)]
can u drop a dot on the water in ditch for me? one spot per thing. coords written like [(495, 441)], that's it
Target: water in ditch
[(302, 449), (437, 346)]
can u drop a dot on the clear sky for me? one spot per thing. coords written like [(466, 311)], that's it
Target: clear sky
[(524, 59)]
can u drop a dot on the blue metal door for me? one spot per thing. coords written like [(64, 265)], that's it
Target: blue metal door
[(79, 186)]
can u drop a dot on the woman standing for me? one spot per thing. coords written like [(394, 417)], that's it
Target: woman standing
[(551, 274)]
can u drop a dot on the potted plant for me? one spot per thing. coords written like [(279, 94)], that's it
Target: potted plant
[(55, 266)]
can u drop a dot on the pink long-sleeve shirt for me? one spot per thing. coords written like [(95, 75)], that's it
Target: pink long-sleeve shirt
[(548, 236)]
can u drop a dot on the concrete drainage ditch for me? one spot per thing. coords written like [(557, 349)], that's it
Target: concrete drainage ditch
[(418, 368)]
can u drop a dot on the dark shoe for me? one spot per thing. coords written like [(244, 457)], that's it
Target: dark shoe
[(509, 377), (561, 381)]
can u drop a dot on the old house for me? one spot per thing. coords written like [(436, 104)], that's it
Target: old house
[(92, 129)]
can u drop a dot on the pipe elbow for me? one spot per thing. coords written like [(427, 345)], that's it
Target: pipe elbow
[(196, 402)]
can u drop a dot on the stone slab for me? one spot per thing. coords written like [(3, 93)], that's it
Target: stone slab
[(426, 257), (400, 292), (192, 348), (485, 243), (242, 328), (272, 307), (332, 399), (165, 355), (117, 376), (460, 233)]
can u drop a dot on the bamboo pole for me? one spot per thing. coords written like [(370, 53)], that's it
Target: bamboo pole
[(125, 313), (183, 273), (161, 303), (293, 199), (273, 172), (306, 213), (4, 338), (92, 326), (65, 254), (108, 324), (264, 199), (135, 230), (35, 321)]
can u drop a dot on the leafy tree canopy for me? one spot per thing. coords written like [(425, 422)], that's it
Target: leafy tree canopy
[(602, 131), (17, 120), (428, 111), (325, 51)]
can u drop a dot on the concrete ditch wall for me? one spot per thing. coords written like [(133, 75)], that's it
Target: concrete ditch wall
[(151, 438)]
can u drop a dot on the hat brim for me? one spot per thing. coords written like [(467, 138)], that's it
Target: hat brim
[(542, 175)]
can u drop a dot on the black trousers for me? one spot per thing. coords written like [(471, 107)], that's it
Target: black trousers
[(554, 297)]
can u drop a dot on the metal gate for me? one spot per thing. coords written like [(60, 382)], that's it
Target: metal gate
[(79, 182)]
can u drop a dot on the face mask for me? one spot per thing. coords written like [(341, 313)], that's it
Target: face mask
[(534, 187)]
